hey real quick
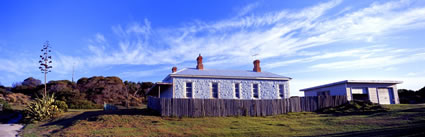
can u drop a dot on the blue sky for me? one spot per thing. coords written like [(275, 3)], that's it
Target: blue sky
[(314, 42)]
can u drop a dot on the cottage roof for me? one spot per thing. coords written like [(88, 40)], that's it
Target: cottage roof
[(232, 74), (354, 82)]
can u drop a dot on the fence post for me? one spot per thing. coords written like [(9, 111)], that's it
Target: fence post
[(227, 107)]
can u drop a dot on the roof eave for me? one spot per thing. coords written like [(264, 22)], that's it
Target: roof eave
[(158, 83), (325, 85), (375, 81), (230, 77), (353, 82)]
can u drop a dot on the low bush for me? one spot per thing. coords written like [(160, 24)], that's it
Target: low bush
[(18, 98), (5, 105), (42, 109), (355, 107), (61, 105), (84, 104)]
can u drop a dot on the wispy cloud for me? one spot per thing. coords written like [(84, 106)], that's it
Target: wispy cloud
[(248, 8), (371, 62), (271, 35), (18, 67), (144, 73), (379, 56)]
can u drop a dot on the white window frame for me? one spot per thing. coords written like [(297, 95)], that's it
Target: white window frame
[(278, 91), (218, 90), (234, 90), (258, 89), (185, 89)]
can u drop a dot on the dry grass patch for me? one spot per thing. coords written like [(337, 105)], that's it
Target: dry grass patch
[(141, 122)]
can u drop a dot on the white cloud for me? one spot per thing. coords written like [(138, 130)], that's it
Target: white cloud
[(383, 62), (18, 67), (365, 57), (64, 64), (276, 34), (248, 8), (273, 35), (144, 73)]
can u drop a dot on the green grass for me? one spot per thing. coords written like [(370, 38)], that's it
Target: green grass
[(399, 120)]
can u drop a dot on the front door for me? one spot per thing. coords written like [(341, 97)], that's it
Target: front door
[(384, 96)]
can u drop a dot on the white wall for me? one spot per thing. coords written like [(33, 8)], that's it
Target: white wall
[(334, 90), (202, 88), (372, 90), (345, 89)]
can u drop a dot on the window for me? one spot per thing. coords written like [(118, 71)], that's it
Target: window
[(281, 91), (237, 90), (324, 93), (360, 94), (255, 90), (189, 89), (214, 90)]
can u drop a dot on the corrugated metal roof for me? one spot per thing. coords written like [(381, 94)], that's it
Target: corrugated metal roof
[(188, 72), (355, 81)]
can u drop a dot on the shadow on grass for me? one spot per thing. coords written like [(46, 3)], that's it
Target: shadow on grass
[(413, 129), (92, 116), (353, 113), (11, 116), (413, 112), (422, 109)]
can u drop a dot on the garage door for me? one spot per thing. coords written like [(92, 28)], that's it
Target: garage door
[(384, 96)]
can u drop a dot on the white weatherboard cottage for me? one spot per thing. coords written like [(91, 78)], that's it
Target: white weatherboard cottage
[(376, 91), (222, 84)]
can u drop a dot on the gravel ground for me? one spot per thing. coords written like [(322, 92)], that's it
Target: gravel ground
[(9, 130)]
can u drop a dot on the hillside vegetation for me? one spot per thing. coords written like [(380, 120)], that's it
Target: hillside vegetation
[(86, 93)]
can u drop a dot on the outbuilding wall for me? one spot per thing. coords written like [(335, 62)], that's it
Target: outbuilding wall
[(202, 88), (334, 90), (345, 89), (372, 90)]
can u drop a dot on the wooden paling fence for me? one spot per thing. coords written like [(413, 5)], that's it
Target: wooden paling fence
[(232, 107)]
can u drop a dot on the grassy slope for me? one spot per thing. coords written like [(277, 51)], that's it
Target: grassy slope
[(401, 119)]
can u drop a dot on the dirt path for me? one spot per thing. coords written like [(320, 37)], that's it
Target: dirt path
[(9, 130)]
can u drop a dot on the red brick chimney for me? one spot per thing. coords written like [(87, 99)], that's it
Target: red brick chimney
[(174, 69), (257, 67), (200, 66)]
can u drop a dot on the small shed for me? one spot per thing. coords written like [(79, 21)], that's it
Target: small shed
[(376, 91)]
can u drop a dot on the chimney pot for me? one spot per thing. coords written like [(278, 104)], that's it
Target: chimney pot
[(200, 66), (257, 67), (174, 69)]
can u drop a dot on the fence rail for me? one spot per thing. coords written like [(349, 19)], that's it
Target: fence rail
[(232, 107)]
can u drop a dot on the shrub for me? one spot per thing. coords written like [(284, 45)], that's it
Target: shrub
[(18, 98), (84, 104), (42, 109), (355, 107), (5, 105), (61, 105)]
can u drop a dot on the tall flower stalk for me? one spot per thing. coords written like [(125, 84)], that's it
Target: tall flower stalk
[(45, 63)]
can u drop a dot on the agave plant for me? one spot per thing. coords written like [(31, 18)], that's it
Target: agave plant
[(42, 108)]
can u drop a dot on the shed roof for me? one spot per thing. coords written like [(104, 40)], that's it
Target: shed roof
[(236, 74), (355, 82)]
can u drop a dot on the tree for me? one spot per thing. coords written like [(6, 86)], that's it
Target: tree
[(45, 61), (30, 86), (31, 82)]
